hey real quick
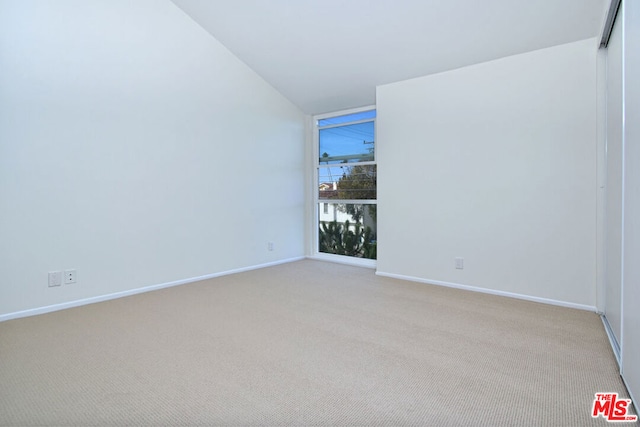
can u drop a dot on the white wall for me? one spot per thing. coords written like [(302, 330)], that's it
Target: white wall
[(495, 163), (135, 148)]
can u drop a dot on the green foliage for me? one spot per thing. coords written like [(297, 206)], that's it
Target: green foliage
[(358, 183), (336, 238), (369, 248)]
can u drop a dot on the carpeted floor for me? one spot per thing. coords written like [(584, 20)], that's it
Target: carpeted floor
[(306, 343)]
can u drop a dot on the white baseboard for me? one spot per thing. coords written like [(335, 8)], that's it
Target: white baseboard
[(100, 298), (490, 291), (612, 338)]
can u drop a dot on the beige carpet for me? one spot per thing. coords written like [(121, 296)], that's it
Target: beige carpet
[(307, 343)]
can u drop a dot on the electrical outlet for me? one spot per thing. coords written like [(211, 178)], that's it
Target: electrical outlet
[(70, 276), (270, 246), (459, 262), (55, 278)]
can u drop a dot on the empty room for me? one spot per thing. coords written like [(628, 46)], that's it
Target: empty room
[(193, 232)]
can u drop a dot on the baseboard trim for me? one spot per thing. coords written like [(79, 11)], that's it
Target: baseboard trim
[(490, 291), (612, 339), (115, 295)]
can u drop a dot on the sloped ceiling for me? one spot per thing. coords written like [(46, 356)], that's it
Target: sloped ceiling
[(330, 55)]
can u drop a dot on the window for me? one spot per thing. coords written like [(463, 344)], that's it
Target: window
[(346, 183)]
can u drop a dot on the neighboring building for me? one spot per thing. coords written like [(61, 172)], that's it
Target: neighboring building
[(330, 211)]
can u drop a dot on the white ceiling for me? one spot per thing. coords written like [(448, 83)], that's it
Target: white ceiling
[(330, 55)]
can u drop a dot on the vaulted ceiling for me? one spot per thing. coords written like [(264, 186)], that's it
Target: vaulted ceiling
[(330, 55)]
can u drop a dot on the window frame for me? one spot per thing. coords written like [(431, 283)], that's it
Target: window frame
[(317, 201)]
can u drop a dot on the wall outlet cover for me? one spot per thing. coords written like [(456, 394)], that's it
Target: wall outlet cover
[(70, 276), (55, 278)]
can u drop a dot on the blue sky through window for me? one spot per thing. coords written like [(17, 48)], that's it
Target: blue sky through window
[(348, 143)]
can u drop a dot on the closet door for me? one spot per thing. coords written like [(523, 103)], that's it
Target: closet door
[(631, 272), (613, 198)]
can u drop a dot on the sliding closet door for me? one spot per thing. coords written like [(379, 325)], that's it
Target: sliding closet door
[(613, 198), (631, 272)]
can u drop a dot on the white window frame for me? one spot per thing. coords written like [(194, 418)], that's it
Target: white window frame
[(316, 254)]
